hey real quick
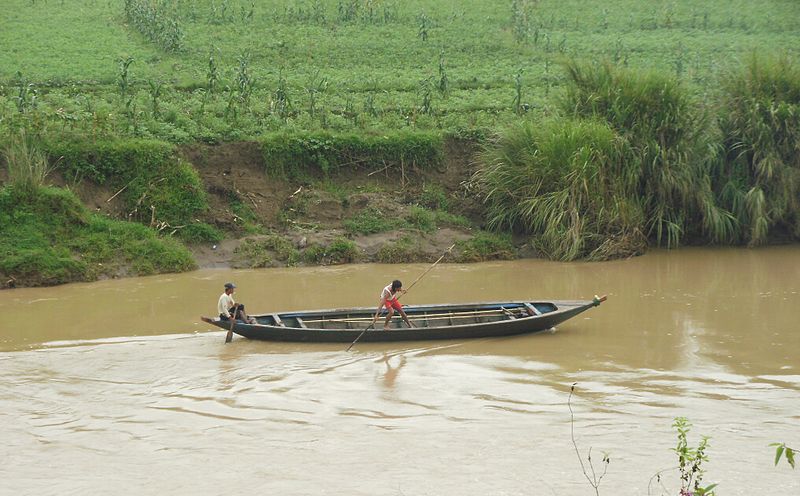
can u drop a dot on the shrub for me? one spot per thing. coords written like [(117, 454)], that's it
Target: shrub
[(486, 246), (27, 164), (369, 221), (259, 251), (50, 238), (154, 183), (759, 172), (199, 232), (306, 154), (419, 218), (433, 197), (339, 251), (557, 182), (665, 164), (404, 250)]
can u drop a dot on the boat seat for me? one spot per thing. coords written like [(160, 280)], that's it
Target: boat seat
[(509, 313), (532, 309), (278, 320)]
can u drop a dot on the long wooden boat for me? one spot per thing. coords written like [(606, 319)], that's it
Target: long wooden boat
[(448, 321)]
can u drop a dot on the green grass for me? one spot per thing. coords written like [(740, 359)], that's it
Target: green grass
[(759, 175), (262, 252), (48, 237), (338, 251), (332, 87), (485, 246), (371, 221), (404, 250), (318, 69)]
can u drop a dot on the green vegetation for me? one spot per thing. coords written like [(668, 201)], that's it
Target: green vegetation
[(339, 251), (433, 197), (259, 252), (245, 217), (237, 69), (662, 167), (691, 460), (48, 237), (27, 165), (486, 246), (404, 250), (304, 155), (664, 141), (371, 221), (782, 450), (634, 161), (546, 181), (759, 176), (156, 187)]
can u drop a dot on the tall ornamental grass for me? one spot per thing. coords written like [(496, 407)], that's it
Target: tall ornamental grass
[(27, 164), (556, 180), (666, 160), (759, 171)]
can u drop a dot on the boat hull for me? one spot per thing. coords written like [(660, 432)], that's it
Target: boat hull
[(435, 322)]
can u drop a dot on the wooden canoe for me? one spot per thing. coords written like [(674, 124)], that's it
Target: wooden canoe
[(448, 321)]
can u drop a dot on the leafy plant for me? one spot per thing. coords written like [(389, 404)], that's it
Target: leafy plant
[(27, 163), (759, 171), (485, 246), (782, 450), (690, 461), (558, 182), (370, 221), (339, 251), (665, 163)]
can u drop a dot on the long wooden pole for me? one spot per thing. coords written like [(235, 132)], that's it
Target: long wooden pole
[(404, 292), (429, 269), (229, 336)]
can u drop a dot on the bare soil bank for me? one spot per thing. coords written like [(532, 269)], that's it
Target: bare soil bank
[(313, 211), (248, 205)]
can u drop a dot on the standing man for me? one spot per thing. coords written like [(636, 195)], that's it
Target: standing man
[(229, 309), (389, 300)]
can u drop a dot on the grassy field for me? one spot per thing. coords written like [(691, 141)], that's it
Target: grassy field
[(615, 125), (344, 64)]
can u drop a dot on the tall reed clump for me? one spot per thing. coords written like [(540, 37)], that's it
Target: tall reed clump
[(27, 164), (759, 170), (665, 164), (558, 181)]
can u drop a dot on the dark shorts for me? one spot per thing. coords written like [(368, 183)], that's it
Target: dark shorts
[(239, 309)]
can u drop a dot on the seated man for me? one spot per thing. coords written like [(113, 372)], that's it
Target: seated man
[(229, 309)]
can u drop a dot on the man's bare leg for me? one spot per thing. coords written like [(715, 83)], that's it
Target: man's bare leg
[(389, 314), (405, 317)]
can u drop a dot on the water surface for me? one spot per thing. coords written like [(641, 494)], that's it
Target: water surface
[(117, 387)]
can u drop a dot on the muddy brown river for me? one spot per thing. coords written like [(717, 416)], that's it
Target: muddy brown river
[(116, 387)]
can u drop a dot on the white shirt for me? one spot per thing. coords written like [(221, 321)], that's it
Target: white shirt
[(387, 295), (225, 304)]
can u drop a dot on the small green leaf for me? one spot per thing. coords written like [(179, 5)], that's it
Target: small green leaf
[(778, 453), (790, 456), (708, 490)]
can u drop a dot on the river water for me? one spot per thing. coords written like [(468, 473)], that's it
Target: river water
[(116, 387)]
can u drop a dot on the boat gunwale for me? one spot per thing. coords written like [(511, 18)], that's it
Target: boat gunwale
[(562, 306)]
